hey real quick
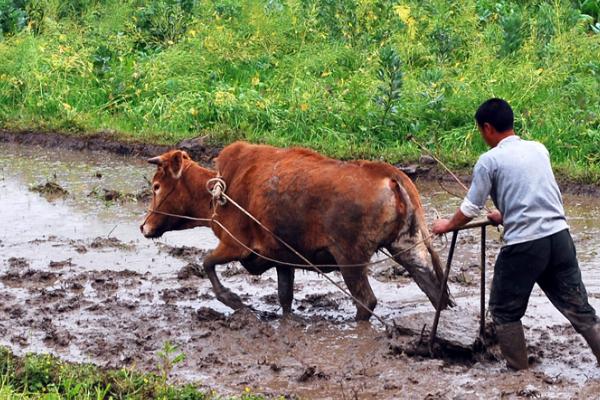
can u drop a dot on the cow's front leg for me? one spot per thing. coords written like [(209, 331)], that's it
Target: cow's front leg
[(222, 255), (285, 288)]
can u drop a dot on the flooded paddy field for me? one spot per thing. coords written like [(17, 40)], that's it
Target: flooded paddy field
[(77, 279)]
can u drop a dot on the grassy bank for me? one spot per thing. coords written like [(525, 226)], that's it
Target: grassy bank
[(352, 78), (45, 377)]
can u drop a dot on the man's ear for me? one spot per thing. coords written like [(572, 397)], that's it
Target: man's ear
[(176, 164), (488, 128)]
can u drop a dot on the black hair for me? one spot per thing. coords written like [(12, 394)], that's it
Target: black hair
[(497, 113)]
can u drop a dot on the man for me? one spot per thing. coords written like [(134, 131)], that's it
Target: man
[(538, 246)]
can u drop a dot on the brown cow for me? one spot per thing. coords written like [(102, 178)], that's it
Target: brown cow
[(332, 212)]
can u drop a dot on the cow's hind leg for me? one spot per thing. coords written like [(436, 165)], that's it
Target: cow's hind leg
[(412, 253), (221, 255), (357, 281), (285, 288)]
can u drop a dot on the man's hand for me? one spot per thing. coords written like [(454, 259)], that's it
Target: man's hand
[(496, 217), (441, 226)]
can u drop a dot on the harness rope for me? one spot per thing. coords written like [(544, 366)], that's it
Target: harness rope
[(452, 174), (219, 197), (285, 263)]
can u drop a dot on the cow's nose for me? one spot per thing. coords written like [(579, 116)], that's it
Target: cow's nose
[(142, 228)]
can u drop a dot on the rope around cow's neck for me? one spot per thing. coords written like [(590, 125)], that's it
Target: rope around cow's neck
[(285, 263), (217, 191)]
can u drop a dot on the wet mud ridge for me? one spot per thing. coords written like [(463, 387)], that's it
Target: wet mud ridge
[(108, 142), (204, 153), (78, 280)]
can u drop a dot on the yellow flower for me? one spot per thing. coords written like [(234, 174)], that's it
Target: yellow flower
[(224, 98), (325, 74), (247, 389), (403, 13), (304, 107), (193, 112), (255, 80)]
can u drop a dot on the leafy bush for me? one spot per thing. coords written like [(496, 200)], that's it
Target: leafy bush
[(161, 23), (76, 8), (13, 17), (307, 72), (389, 74)]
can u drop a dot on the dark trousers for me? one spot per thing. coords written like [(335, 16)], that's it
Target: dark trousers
[(550, 262)]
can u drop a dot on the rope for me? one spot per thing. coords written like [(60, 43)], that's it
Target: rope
[(217, 191), (315, 267), (285, 263), (456, 178)]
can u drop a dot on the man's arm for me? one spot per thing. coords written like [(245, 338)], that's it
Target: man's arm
[(459, 219), (446, 225)]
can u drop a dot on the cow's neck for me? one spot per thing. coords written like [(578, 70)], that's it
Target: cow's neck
[(195, 180)]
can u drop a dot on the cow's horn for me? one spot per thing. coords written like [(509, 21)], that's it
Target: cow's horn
[(154, 160)]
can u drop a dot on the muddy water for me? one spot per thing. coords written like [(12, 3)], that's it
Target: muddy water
[(77, 279)]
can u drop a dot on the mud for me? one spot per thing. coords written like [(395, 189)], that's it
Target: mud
[(78, 280), (50, 189), (204, 152), (107, 142)]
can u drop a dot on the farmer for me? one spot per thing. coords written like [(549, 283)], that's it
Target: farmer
[(538, 246)]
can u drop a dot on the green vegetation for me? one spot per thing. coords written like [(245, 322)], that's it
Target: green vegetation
[(45, 377), (351, 78)]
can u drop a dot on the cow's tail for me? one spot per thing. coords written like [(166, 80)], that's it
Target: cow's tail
[(414, 239)]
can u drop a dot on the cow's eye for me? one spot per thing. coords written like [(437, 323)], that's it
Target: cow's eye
[(155, 187)]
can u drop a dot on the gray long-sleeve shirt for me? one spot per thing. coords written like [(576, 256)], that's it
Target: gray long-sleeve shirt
[(518, 176)]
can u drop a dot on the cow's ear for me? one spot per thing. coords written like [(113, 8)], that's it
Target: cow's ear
[(176, 164), (155, 160)]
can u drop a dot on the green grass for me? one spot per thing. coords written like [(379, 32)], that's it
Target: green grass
[(45, 377), (305, 72)]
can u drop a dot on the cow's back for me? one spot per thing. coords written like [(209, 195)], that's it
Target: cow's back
[(309, 199)]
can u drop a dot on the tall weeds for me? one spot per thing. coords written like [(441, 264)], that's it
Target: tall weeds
[(306, 72)]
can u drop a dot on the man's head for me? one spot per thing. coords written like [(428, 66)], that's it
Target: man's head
[(495, 120)]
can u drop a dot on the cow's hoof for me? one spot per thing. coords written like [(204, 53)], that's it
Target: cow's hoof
[(231, 300), (290, 317), (363, 316)]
